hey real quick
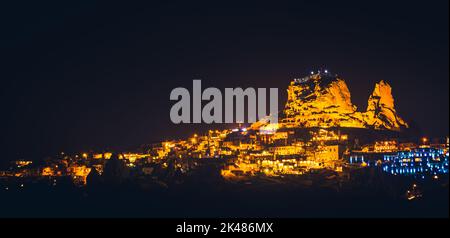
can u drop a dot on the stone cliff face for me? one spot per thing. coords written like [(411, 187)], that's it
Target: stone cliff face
[(380, 111), (324, 100), (321, 101)]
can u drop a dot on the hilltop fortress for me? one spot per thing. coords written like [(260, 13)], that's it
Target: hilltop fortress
[(323, 100)]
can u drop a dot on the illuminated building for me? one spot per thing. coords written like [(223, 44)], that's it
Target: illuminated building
[(328, 135), (48, 171), (385, 146), (22, 163), (417, 161), (106, 155), (327, 156), (408, 146), (286, 150), (78, 173)]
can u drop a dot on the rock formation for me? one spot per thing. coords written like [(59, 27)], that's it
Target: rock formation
[(324, 100), (380, 111)]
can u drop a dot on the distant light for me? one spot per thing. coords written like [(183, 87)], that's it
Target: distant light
[(244, 129), (424, 140), (312, 72), (326, 71)]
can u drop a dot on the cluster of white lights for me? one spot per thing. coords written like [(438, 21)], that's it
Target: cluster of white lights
[(326, 71), (237, 129)]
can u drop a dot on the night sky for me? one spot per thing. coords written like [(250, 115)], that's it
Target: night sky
[(84, 75)]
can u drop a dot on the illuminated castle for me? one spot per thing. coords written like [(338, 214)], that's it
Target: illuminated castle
[(324, 100)]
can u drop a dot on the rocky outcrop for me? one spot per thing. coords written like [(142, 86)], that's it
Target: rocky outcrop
[(324, 100), (321, 100), (380, 112)]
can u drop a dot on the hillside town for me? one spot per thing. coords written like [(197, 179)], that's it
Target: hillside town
[(320, 134)]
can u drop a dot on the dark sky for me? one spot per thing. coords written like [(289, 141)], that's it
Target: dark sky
[(83, 75)]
